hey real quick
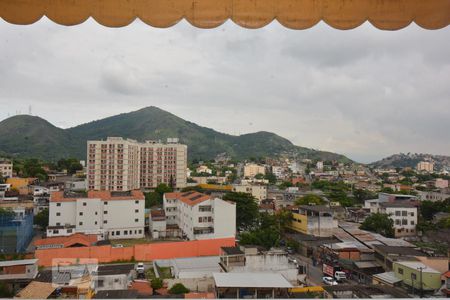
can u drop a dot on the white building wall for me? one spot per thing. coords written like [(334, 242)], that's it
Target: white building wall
[(224, 218), (67, 213)]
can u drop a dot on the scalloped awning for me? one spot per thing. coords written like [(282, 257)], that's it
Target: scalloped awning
[(294, 14)]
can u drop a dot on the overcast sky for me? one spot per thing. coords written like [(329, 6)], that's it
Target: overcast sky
[(364, 93)]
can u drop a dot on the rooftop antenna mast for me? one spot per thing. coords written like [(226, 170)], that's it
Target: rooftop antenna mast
[(29, 110)]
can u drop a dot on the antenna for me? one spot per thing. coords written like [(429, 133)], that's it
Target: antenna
[(29, 110)]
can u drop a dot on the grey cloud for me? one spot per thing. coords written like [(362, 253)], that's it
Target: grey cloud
[(365, 93)]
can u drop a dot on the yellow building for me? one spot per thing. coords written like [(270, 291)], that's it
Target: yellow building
[(251, 170), (314, 220), (21, 184)]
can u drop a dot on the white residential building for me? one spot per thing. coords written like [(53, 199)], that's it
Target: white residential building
[(110, 215), (319, 165), (118, 164), (251, 170), (277, 171), (203, 169), (258, 191), (441, 183), (404, 216), (6, 168), (200, 216)]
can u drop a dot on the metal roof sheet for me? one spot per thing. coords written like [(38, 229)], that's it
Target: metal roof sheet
[(251, 279)]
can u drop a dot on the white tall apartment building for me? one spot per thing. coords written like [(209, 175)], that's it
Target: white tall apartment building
[(199, 216), (109, 215), (118, 164), (6, 168), (404, 216)]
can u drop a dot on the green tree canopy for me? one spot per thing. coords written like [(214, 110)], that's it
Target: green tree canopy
[(271, 177), (379, 223), (72, 165), (309, 199), (178, 289), (41, 219), (246, 209), (361, 195)]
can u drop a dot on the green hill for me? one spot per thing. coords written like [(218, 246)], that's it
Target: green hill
[(34, 137)]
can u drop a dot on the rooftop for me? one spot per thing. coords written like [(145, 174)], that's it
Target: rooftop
[(316, 208), (61, 196), (190, 198), (9, 263), (399, 250), (232, 250), (397, 204), (36, 290), (116, 294), (251, 280), (104, 270), (388, 277), (417, 265)]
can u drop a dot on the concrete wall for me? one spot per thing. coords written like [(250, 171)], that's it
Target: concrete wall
[(140, 252), (193, 284)]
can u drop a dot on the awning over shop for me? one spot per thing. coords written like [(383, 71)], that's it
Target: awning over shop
[(294, 14)]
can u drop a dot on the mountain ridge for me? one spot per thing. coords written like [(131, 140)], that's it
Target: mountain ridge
[(32, 136)]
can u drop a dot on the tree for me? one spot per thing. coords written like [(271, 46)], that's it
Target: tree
[(72, 165), (379, 223), (429, 208), (362, 195), (178, 289), (246, 209), (271, 177), (309, 199), (259, 176), (163, 188), (157, 283), (2, 179), (41, 218)]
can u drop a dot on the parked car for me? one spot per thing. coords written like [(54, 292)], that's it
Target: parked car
[(117, 246), (329, 280)]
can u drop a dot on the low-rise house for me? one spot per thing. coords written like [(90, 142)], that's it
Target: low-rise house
[(200, 216), (16, 274), (113, 277), (388, 255), (315, 220), (386, 278), (74, 240), (110, 215), (203, 169), (37, 290), (251, 284), (417, 275), (432, 196)]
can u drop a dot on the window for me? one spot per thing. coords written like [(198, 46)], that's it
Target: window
[(105, 221), (136, 220), (412, 222), (404, 213), (117, 232), (112, 233), (58, 224), (412, 214), (136, 210), (58, 214), (95, 223), (140, 231), (404, 222), (413, 276), (84, 203), (96, 213), (100, 283), (58, 204), (81, 213), (69, 230), (125, 232), (397, 222), (105, 212), (55, 231), (400, 271), (136, 202), (81, 223), (106, 202), (397, 213)]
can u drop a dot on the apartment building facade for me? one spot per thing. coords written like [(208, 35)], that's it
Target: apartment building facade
[(118, 164), (317, 220), (404, 216), (200, 216), (425, 166), (6, 168), (258, 191), (251, 170), (107, 214)]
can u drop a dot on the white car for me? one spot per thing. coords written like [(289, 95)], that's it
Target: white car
[(140, 267), (329, 280)]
